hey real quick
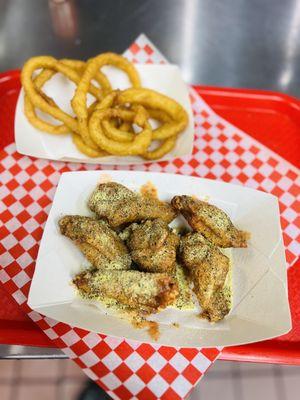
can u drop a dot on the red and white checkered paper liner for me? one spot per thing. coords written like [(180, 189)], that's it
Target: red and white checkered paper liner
[(124, 368)]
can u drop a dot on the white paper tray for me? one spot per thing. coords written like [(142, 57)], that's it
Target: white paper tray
[(165, 79), (260, 302)]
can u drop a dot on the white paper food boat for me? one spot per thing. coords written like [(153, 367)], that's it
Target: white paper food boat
[(260, 299), (165, 79)]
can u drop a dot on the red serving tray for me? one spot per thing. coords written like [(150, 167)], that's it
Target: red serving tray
[(271, 118)]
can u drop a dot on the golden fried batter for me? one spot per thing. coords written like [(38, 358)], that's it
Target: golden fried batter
[(208, 267), (219, 306), (209, 220), (145, 292), (97, 241), (153, 245), (120, 206)]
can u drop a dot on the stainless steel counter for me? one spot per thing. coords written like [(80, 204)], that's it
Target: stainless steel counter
[(234, 43), (22, 352), (241, 43)]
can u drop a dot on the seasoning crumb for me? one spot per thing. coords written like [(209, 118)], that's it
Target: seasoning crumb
[(152, 327), (153, 330), (149, 190), (176, 325)]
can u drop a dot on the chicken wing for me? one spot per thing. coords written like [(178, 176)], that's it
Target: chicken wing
[(209, 220), (153, 245), (99, 244), (145, 292), (208, 268), (120, 206)]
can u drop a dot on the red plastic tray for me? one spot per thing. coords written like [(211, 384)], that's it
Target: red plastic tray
[(271, 118)]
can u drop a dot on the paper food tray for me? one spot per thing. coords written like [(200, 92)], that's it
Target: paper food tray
[(165, 79), (260, 303)]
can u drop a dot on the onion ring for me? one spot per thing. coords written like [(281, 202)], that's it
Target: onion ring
[(122, 133), (42, 102), (118, 134), (41, 79), (83, 148), (158, 115), (151, 99), (126, 127), (166, 146), (103, 111), (79, 100), (108, 125), (125, 114)]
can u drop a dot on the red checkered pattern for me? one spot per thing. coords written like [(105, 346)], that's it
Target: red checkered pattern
[(127, 369)]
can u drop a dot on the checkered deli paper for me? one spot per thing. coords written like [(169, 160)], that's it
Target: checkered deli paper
[(124, 368)]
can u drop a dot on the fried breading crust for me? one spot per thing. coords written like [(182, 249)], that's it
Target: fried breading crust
[(97, 241), (145, 292), (120, 206), (153, 245), (208, 267), (209, 220)]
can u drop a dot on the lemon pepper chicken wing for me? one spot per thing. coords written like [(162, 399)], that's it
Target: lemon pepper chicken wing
[(208, 268), (145, 292), (209, 220), (152, 246), (120, 206), (97, 241)]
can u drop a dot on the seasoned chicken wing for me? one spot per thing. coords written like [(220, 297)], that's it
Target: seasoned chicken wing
[(97, 241), (208, 268), (209, 220), (153, 245), (120, 206), (145, 292)]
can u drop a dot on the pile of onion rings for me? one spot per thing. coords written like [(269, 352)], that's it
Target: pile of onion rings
[(117, 122)]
